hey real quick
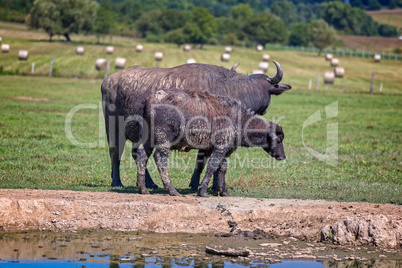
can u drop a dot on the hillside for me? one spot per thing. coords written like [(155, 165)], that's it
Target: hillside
[(388, 16), (370, 43)]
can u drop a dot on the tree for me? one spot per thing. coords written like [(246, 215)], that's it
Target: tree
[(241, 12), (105, 22), (148, 23), (202, 27), (176, 36), (263, 28), (357, 3), (351, 20), (285, 10), (321, 34), (299, 35), (392, 4), (62, 17), (373, 5), (307, 12), (387, 30), (230, 39), (171, 19)]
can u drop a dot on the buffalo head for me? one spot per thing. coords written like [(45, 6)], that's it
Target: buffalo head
[(274, 142), (272, 84)]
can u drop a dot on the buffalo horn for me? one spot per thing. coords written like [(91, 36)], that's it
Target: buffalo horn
[(279, 74), (235, 66)]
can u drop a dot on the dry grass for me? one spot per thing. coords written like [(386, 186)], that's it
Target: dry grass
[(388, 16), (372, 44)]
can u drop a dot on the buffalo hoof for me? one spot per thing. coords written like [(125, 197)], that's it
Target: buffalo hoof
[(194, 183), (194, 187), (202, 193), (119, 184), (151, 185), (224, 193), (174, 192), (143, 191)]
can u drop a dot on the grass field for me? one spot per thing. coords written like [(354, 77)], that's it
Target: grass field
[(388, 16), (35, 152)]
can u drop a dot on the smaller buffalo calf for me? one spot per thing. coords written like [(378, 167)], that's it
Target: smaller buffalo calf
[(186, 119)]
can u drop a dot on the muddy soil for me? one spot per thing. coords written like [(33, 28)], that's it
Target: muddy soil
[(312, 220)]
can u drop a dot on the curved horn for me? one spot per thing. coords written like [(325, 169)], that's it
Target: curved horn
[(235, 66), (279, 74)]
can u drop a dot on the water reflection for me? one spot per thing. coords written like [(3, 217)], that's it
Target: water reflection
[(123, 249)]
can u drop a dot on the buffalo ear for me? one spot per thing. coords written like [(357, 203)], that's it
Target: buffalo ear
[(278, 89)]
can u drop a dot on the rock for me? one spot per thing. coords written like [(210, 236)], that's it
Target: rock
[(374, 230), (272, 245), (228, 252)]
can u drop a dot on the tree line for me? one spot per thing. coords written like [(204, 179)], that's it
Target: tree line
[(229, 22)]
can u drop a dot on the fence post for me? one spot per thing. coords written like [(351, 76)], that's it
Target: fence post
[(316, 84), (372, 83), (381, 87), (33, 68), (309, 84), (107, 68), (51, 67)]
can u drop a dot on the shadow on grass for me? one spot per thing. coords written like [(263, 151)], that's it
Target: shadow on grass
[(160, 191)]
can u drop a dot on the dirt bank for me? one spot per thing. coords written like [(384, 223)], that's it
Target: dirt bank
[(314, 220)]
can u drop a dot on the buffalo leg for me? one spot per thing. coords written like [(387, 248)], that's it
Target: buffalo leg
[(116, 148), (141, 156), (202, 157), (221, 182), (148, 180), (161, 156), (213, 164)]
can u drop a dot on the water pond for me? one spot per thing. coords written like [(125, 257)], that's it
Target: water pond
[(129, 249)]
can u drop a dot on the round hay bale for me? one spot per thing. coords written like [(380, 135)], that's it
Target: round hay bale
[(23, 54), (109, 50), (100, 64), (339, 72), (225, 57), (257, 71), (334, 62), (80, 50), (228, 50), (265, 57), (260, 48), (190, 61), (328, 56), (5, 48), (187, 47), (158, 56), (329, 77), (120, 63), (377, 58), (139, 48), (263, 65)]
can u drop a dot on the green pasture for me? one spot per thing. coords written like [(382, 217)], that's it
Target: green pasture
[(36, 152)]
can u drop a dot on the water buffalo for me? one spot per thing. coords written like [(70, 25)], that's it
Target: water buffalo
[(124, 93), (192, 119)]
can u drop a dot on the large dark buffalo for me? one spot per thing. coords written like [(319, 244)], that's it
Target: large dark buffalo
[(124, 94), (188, 119)]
